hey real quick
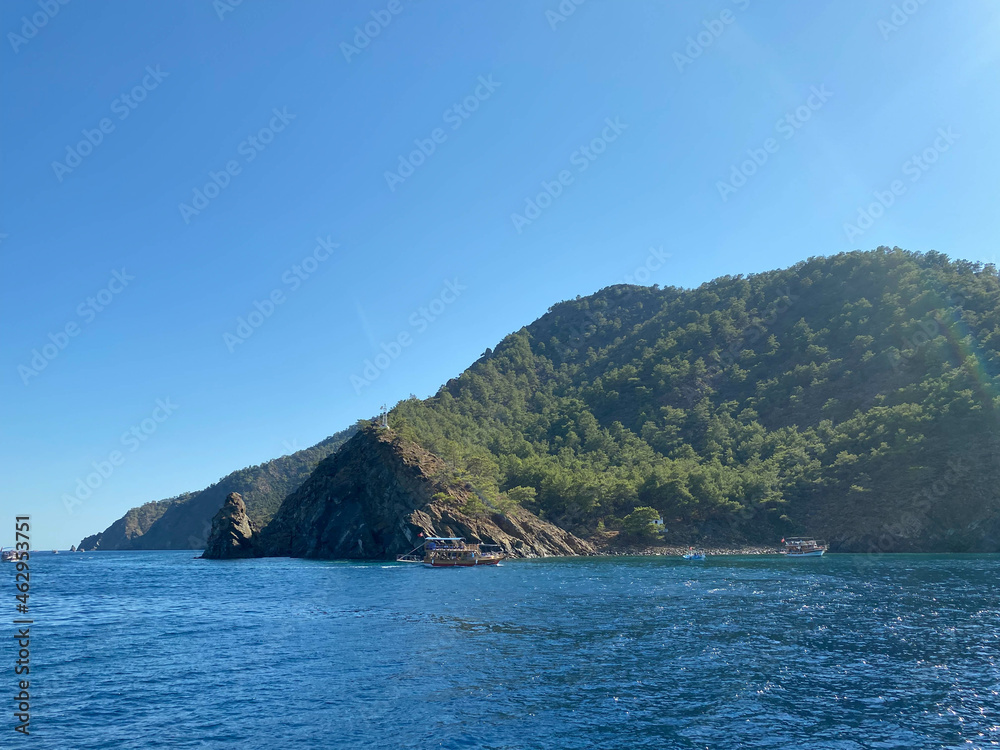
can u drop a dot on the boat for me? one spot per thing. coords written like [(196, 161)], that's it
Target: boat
[(694, 554), (803, 547), (8, 555), (451, 552)]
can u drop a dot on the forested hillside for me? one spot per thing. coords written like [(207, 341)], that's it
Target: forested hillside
[(132, 525), (852, 396), (184, 522)]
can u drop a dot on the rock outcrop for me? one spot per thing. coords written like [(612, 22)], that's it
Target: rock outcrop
[(232, 531), (185, 521), (377, 497), (92, 542)]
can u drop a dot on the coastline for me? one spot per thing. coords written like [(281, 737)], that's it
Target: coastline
[(678, 550)]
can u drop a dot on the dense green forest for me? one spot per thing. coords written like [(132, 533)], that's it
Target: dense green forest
[(852, 396)]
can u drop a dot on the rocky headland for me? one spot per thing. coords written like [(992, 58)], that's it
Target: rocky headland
[(232, 531), (376, 498)]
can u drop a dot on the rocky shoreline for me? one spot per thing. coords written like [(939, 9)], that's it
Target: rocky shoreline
[(679, 550), (378, 497), (381, 495)]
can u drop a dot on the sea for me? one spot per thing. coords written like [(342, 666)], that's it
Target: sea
[(164, 650)]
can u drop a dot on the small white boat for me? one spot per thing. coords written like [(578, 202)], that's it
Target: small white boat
[(694, 554), (9, 555), (803, 547)]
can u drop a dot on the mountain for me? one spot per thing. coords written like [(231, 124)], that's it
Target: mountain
[(185, 521), (378, 497), (853, 397), (132, 525)]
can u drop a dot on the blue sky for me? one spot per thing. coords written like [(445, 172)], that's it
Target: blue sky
[(816, 106)]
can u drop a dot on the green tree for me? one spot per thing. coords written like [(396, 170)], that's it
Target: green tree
[(641, 522)]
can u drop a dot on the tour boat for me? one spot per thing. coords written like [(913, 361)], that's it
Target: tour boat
[(451, 552), (8, 555), (694, 554), (803, 547)]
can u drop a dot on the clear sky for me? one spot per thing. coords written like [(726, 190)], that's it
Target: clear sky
[(167, 167)]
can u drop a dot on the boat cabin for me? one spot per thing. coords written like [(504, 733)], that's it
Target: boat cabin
[(452, 552), (803, 547)]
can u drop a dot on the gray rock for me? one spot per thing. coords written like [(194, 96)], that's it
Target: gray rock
[(379, 497), (232, 534)]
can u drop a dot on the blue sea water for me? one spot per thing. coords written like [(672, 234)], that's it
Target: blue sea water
[(161, 650)]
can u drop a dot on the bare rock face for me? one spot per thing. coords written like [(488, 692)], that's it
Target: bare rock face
[(378, 497), (232, 533)]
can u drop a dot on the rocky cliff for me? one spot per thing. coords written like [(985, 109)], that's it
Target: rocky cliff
[(232, 531), (376, 498), (184, 522)]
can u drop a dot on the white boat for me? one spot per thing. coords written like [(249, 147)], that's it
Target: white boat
[(451, 552), (694, 554), (803, 547), (9, 555)]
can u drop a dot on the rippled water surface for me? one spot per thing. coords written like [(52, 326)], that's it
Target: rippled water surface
[(160, 650)]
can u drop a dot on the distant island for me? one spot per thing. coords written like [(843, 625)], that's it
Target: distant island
[(853, 397)]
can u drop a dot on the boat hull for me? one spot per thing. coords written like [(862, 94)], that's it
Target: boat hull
[(460, 563), (450, 552), (814, 553)]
